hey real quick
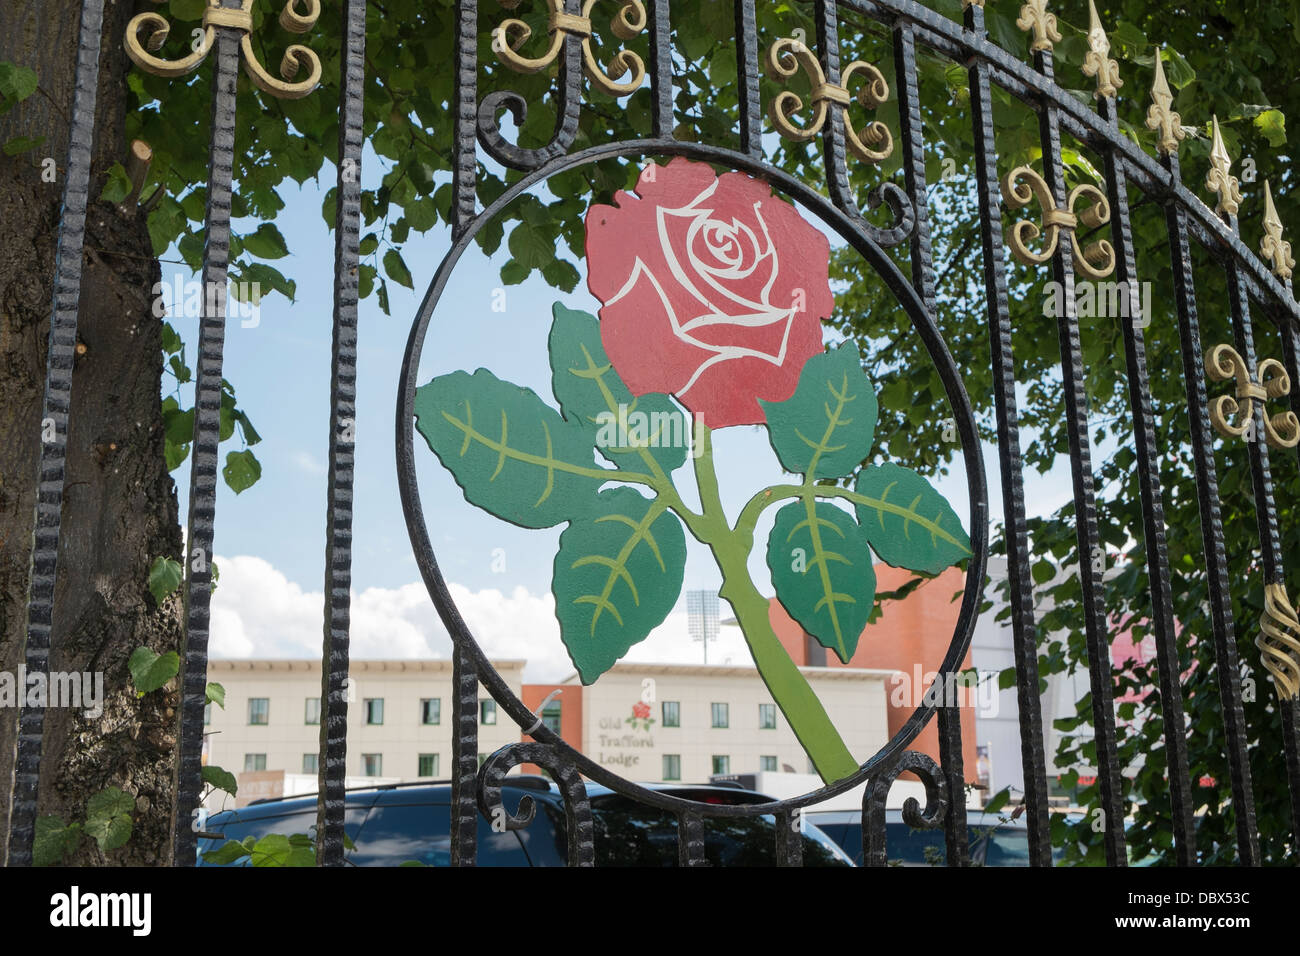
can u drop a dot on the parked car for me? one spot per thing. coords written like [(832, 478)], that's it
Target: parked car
[(403, 823), (992, 841)]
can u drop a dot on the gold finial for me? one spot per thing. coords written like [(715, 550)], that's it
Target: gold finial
[(1098, 62), (1160, 116), (1273, 246), (1220, 179), (1279, 641), (1034, 16), (241, 19)]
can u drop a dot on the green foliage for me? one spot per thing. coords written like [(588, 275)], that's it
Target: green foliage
[(108, 818), (150, 670), (164, 577), (215, 693), (220, 779), (54, 840)]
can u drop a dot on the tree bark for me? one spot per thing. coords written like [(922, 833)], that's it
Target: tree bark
[(119, 502)]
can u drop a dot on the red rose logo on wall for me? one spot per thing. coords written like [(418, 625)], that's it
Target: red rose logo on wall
[(713, 290), (640, 719)]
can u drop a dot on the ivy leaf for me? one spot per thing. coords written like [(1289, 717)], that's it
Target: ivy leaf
[(396, 269), (241, 471), (908, 523), (229, 852), (592, 394), (266, 242), (276, 849), (618, 574), (16, 82), (821, 569), (219, 778), (825, 429), (108, 818), (150, 670), (164, 578), (215, 693), (118, 185), (511, 454), (54, 840)]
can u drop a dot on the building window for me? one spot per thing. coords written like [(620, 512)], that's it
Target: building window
[(721, 764), (259, 710), (767, 763), (672, 766), (672, 713), (428, 765), (487, 712), (431, 710), (207, 714), (374, 710), (372, 765), (312, 715), (767, 716), (721, 715), (254, 761), (311, 763), (551, 716)]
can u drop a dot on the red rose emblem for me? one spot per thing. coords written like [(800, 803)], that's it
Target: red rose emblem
[(712, 289), (641, 711)]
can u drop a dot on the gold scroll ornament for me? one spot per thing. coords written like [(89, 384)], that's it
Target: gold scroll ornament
[(240, 19), (626, 23), (1096, 260), (786, 57), (1232, 415), (1279, 641)]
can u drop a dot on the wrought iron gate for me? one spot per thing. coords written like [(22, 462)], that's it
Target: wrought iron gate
[(1069, 227)]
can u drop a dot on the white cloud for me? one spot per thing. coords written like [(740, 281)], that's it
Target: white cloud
[(258, 613)]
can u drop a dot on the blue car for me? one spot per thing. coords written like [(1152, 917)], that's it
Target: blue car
[(410, 824)]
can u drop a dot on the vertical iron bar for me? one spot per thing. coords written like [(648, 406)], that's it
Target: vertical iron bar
[(834, 149), (956, 837), (464, 779), (789, 838), (1216, 564), (1076, 404), (1153, 514), (1020, 588), (464, 181), (690, 840), (343, 410), (661, 65), (751, 122), (207, 427), (1270, 539), (55, 406)]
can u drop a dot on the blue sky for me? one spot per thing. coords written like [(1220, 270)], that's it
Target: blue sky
[(270, 539)]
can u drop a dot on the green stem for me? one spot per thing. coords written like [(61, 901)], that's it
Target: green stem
[(790, 689)]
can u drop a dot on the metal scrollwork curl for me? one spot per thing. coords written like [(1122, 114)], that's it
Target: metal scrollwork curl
[(1096, 260), (579, 829), (1279, 641), (873, 803), (241, 19), (1233, 414)]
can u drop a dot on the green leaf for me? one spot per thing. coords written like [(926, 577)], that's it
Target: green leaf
[(215, 693), (1178, 70), (16, 82), (825, 429), (276, 849), (118, 185), (242, 470), (821, 569), (530, 247), (561, 275), (592, 395), (266, 243), (108, 818), (617, 576), (171, 342), (164, 578), (188, 9), (266, 277), (220, 779), (229, 852), (511, 454), (1272, 123), (150, 670), (395, 268), (23, 144), (54, 840), (908, 523), (998, 800), (514, 272)]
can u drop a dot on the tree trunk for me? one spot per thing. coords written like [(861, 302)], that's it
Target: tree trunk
[(119, 502)]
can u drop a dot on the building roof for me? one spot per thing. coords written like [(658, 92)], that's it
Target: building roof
[(310, 665)]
